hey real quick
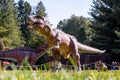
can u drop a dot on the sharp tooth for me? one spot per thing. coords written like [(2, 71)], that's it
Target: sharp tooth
[(30, 23)]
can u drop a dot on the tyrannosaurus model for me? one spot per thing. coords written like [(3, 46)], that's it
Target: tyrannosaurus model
[(62, 42)]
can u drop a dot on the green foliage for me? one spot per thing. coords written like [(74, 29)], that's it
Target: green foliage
[(35, 40), (62, 75), (76, 26), (24, 10), (40, 9), (10, 33), (106, 16)]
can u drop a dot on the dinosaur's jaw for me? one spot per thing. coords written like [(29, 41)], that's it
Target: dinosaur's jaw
[(30, 27), (36, 26), (35, 23), (31, 19)]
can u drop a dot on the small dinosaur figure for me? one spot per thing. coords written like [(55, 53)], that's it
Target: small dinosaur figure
[(62, 42), (19, 54)]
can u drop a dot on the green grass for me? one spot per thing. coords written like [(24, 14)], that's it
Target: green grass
[(62, 75)]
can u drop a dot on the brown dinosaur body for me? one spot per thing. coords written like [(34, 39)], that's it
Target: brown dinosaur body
[(18, 55), (62, 42)]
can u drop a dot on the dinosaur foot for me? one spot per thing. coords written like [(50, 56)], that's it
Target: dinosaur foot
[(56, 69), (57, 47), (77, 68)]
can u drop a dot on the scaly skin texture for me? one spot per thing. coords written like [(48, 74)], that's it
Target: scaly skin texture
[(19, 54), (62, 42)]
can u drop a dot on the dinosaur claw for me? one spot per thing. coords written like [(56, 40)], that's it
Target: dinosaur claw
[(57, 47)]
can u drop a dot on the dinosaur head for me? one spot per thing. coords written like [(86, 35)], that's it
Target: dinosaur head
[(36, 22), (40, 24)]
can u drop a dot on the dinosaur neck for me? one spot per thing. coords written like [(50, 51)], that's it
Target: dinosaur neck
[(47, 32)]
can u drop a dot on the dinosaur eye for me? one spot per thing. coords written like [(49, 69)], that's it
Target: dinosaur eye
[(38, 17), (36, 23), (29, 23)]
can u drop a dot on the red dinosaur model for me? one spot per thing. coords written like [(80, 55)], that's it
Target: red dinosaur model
[(19, 54), (62, 42)]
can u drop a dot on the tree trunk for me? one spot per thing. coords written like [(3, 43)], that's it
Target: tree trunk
[(2, 45)]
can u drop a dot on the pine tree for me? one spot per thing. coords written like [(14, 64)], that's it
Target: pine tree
[(40, 9), (106, 25), (24, 9), (11, 35), (3, 33)]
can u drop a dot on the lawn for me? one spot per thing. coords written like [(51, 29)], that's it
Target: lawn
[(61, 75)]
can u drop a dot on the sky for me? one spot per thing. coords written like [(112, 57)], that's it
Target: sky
[(62, 9)]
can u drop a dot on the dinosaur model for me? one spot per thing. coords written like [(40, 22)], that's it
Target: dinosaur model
[(19, 54), (61, 42)]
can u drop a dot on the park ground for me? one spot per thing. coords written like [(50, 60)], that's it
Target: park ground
[(61, 75)]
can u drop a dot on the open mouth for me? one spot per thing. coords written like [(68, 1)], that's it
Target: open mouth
[(35, 22), (30, 23)]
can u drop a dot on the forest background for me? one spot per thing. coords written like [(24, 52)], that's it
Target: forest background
[(101, 30)]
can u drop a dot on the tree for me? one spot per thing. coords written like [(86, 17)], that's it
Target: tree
[(10, 33), (24, 9), (106, 25), (3, 33), (40, 9), (77, 26)]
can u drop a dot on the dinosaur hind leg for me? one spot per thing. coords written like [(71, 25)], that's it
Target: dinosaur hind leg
[(76, 58), (56, 54), (75, 54)]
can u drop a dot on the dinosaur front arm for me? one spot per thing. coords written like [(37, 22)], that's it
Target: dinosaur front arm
[(57, 44), (58, 39)]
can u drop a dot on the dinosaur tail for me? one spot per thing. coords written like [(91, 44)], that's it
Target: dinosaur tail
[(87, 49)]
